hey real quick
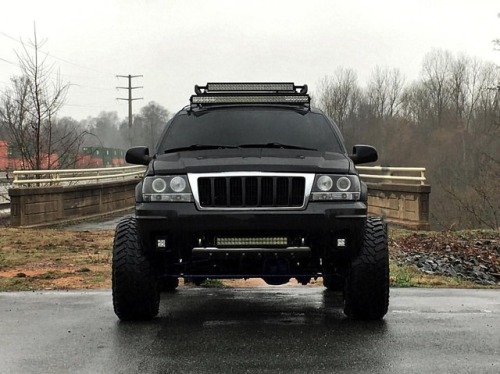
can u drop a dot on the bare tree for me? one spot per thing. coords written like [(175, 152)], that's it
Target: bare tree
[(459, 74), (154, 117), (28, 111), (384, 92), (339, 95), (104, 131), (469, 79), (436, 70), (415, 103)]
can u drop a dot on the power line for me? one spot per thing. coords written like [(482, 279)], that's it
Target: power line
[(92, 87), (129, 99), (9, 62), (52, 56)]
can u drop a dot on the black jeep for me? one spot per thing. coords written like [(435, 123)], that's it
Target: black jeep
[(249, 181)]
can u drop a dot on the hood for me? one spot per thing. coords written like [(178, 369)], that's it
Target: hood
[(251, 159)]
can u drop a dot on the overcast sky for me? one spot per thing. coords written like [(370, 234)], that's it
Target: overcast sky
[(175, 44)]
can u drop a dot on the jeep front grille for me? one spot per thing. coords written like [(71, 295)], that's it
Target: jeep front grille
[(251, 190)]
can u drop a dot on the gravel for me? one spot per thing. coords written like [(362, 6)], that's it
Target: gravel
[(471, 255)]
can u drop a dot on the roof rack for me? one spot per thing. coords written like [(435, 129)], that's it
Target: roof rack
[(250, 93)]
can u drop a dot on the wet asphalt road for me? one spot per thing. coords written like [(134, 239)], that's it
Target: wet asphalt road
[(251, 330)]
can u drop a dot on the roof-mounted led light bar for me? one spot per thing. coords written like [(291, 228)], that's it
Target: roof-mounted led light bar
[(250, 99), (250, 93), (258, 87)]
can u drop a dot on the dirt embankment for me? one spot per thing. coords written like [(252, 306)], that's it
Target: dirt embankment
[(54, 259), (60, 259)]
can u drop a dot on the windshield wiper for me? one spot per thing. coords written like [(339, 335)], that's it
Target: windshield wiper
[(198, 147), (275, 145)]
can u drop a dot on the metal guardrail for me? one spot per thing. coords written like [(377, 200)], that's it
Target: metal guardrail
[(65, 177), (40, 178), (387, 173)]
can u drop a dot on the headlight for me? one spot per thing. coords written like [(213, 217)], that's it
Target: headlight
[(324, 183), (159, 185), (343, 184), (336, 188), (178, 184), (167, 189)]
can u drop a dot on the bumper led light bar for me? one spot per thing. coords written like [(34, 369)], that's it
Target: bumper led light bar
[(258, 241)]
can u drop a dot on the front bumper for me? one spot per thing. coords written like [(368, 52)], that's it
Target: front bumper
[(189, 236), (183, 225)]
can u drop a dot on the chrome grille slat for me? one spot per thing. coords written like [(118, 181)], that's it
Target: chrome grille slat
[(229, 191), (251, 190)]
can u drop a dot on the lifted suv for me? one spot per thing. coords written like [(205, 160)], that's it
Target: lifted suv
[(249, 181)]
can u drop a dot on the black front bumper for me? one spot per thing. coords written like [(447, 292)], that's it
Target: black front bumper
[(182, 224), (189, 238)]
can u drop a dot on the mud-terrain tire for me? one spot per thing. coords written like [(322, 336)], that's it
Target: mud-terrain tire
[(366, 294), (134, 280)]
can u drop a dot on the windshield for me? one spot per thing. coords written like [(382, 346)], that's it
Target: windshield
[(248, 127)]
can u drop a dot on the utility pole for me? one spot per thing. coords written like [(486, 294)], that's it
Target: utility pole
[(129, 99)]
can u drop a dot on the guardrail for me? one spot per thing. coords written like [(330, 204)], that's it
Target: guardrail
[(410, 175), (38, 178), (71, 177)]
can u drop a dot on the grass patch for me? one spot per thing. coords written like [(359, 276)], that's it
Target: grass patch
[(15, 284), (49, 275), (213, 283), (98, 279), (410, 276)]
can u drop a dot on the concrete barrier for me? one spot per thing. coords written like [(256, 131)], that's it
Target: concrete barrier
[(401, 204), (44, 206)]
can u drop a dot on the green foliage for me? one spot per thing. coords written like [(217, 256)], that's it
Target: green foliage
[(401, 276)]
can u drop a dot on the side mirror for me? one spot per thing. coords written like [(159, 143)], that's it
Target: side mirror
[(362, 154), (138, 156)]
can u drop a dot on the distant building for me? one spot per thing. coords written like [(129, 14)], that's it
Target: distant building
[(89, 157), (4, 155), (100, 157)]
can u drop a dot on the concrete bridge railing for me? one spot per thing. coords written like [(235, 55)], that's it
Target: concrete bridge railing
[(71, 177), (42, 198), (45, 197), (399, 194)]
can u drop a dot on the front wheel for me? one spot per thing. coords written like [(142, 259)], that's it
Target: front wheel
[(136, 293), (366, 294)]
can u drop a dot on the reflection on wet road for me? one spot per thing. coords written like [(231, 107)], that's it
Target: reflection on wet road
[(251, 330)]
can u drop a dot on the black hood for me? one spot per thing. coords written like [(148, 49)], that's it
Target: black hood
[(252, 159)]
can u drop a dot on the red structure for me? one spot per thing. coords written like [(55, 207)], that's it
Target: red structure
[(19, 164), (87, 161), (4, 155), (90, 157)]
